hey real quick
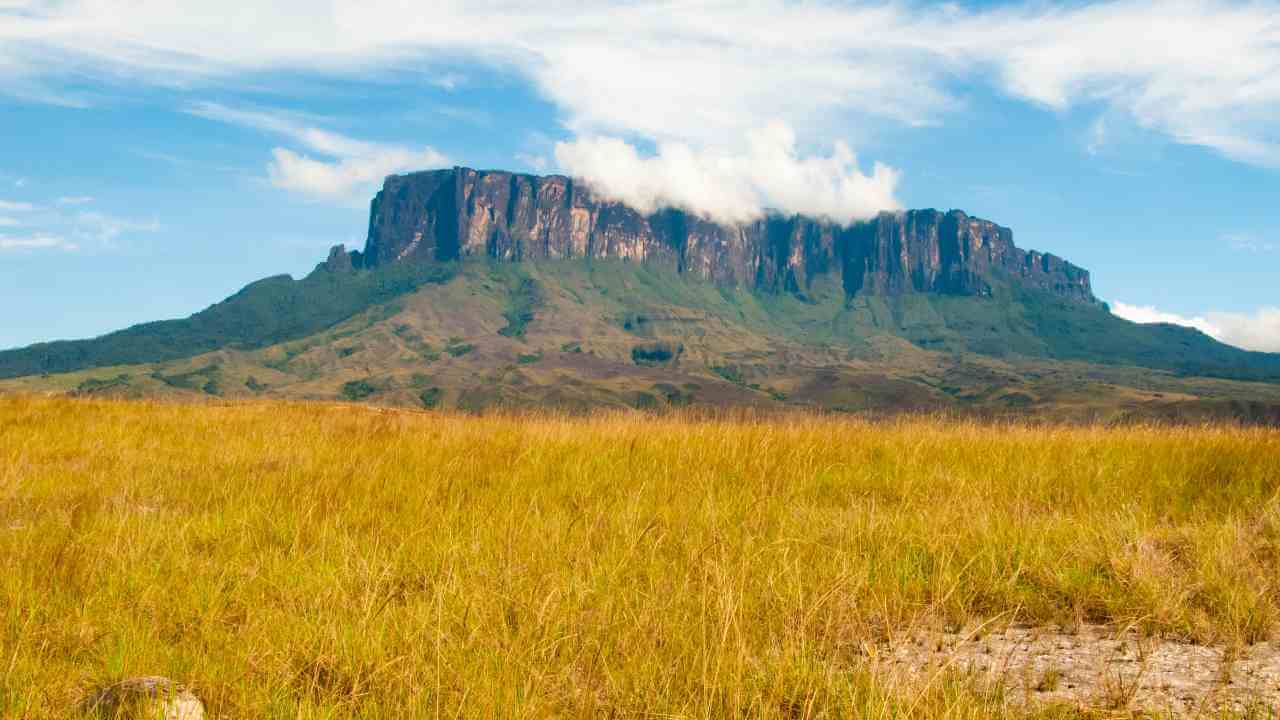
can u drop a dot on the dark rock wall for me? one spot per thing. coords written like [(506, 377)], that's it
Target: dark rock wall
[(447, 214)]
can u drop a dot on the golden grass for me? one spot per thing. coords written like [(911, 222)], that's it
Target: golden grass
[(306, 561)]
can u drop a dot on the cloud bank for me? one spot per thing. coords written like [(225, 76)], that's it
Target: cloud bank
[(1257, 331), (734, 188), (696, 75)]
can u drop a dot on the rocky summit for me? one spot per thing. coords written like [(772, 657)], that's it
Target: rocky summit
[(446, 215)]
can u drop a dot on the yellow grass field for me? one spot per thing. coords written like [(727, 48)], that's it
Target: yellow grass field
[(324, 561)]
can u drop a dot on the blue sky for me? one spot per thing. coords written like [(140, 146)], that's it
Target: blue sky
[(155, 157)]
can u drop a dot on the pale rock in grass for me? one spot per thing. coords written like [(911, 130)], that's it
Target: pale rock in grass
[(1098, 667), (145, 698)]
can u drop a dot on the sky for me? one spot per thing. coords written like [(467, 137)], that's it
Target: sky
[(157, 155)]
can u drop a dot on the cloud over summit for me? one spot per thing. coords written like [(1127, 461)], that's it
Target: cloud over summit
[(734, 187)]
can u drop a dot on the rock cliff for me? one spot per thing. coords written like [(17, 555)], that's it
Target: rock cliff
[(445, 215)]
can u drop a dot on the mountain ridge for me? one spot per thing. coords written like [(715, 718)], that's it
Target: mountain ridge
[(481, 289), (444, 215)]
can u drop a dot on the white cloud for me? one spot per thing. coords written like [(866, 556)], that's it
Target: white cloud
[(1147, 314), (733, 188), (105, 229), (652, 68), (36, 242), (353, 170), (702, 74), (1257, 331), (1201, 71), (281, 123), (350, 178), (64, 223)]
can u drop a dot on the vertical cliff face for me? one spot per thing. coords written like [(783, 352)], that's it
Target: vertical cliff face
[(449, 214)]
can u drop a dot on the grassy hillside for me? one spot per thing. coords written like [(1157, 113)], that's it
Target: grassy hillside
[(263, 313), (576, 335), (311, 561)]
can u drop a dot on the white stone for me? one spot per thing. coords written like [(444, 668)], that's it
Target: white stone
[(146, 698)]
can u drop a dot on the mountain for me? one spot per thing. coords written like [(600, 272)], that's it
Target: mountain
[(447, 215), (477, 289)]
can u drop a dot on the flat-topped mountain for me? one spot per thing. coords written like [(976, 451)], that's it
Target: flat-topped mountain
[(446, 215), (479, 289)]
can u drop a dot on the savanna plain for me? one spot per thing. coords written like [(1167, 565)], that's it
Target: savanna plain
[(294, 560)]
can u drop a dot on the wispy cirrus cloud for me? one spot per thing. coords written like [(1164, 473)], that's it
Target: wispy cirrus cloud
[(105, 229), (36, 242), (59, 226), (1259, 330), (350, 168)]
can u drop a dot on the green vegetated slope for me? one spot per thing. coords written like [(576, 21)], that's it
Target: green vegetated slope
[(578, 335), (1017, 321), (1092, 334), (268, 311), (1013, 322)]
